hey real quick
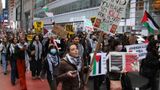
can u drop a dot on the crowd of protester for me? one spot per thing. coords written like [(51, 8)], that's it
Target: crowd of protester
[(67, 60)]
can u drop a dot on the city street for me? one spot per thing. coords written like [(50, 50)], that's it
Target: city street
[(5, 83), (137, 81)]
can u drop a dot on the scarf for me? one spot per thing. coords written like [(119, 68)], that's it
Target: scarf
[(12, 48), (53, 61), (38, 50), (22, 46), (75, 61)]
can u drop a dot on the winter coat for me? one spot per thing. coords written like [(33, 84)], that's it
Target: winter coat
[(67, 82), (150, 65)]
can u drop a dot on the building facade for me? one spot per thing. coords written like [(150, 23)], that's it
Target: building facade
[(74, 11)]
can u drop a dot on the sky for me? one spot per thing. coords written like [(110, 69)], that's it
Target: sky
[(3, 3)]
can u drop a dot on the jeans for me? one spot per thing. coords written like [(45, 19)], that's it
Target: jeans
[(4, 62), (14, 73)]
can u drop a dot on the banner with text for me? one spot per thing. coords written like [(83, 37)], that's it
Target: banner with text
[(138, 48)]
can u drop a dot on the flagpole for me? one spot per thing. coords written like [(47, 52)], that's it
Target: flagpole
[(94, 55)]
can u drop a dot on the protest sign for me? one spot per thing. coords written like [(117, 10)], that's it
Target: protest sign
[(59, 30), (139, 48), (131, 63), (116, 61), (110, 13), (88, 25), (99, 65), (123, 61), (38, 26), (69, 28)]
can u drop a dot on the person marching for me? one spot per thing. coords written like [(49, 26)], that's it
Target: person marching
[(51, 66), (70, 69), (20, 51), (36, 57), (3, 48), (14, 73)]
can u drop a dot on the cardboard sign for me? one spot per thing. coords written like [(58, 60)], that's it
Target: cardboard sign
[(99, 66), (59, 30), (110, 13), (138, 48)]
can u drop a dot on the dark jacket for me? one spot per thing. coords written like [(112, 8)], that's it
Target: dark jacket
[(19, 53), (151, 65), (67, 82)]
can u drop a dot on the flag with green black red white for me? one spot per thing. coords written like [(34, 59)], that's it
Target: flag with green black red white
[(99, 65), (149, 23)]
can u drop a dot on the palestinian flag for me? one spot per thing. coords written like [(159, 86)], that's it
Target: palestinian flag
[(149, 23), (97, 65)]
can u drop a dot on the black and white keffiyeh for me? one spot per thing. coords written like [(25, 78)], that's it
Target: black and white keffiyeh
[(75, 61), (53, 61)]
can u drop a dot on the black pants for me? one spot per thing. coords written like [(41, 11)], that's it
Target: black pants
[(14, 73), (36, 67), (98, 80), (52, 83)]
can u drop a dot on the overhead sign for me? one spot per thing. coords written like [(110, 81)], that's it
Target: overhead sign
[(110, 13)]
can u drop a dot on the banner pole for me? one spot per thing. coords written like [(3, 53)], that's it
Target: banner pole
[(95, 52)]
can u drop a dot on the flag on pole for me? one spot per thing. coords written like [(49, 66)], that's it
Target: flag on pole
[(149, 23)]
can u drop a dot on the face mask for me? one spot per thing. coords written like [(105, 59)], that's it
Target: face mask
[(119, 48), (53, 51)]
